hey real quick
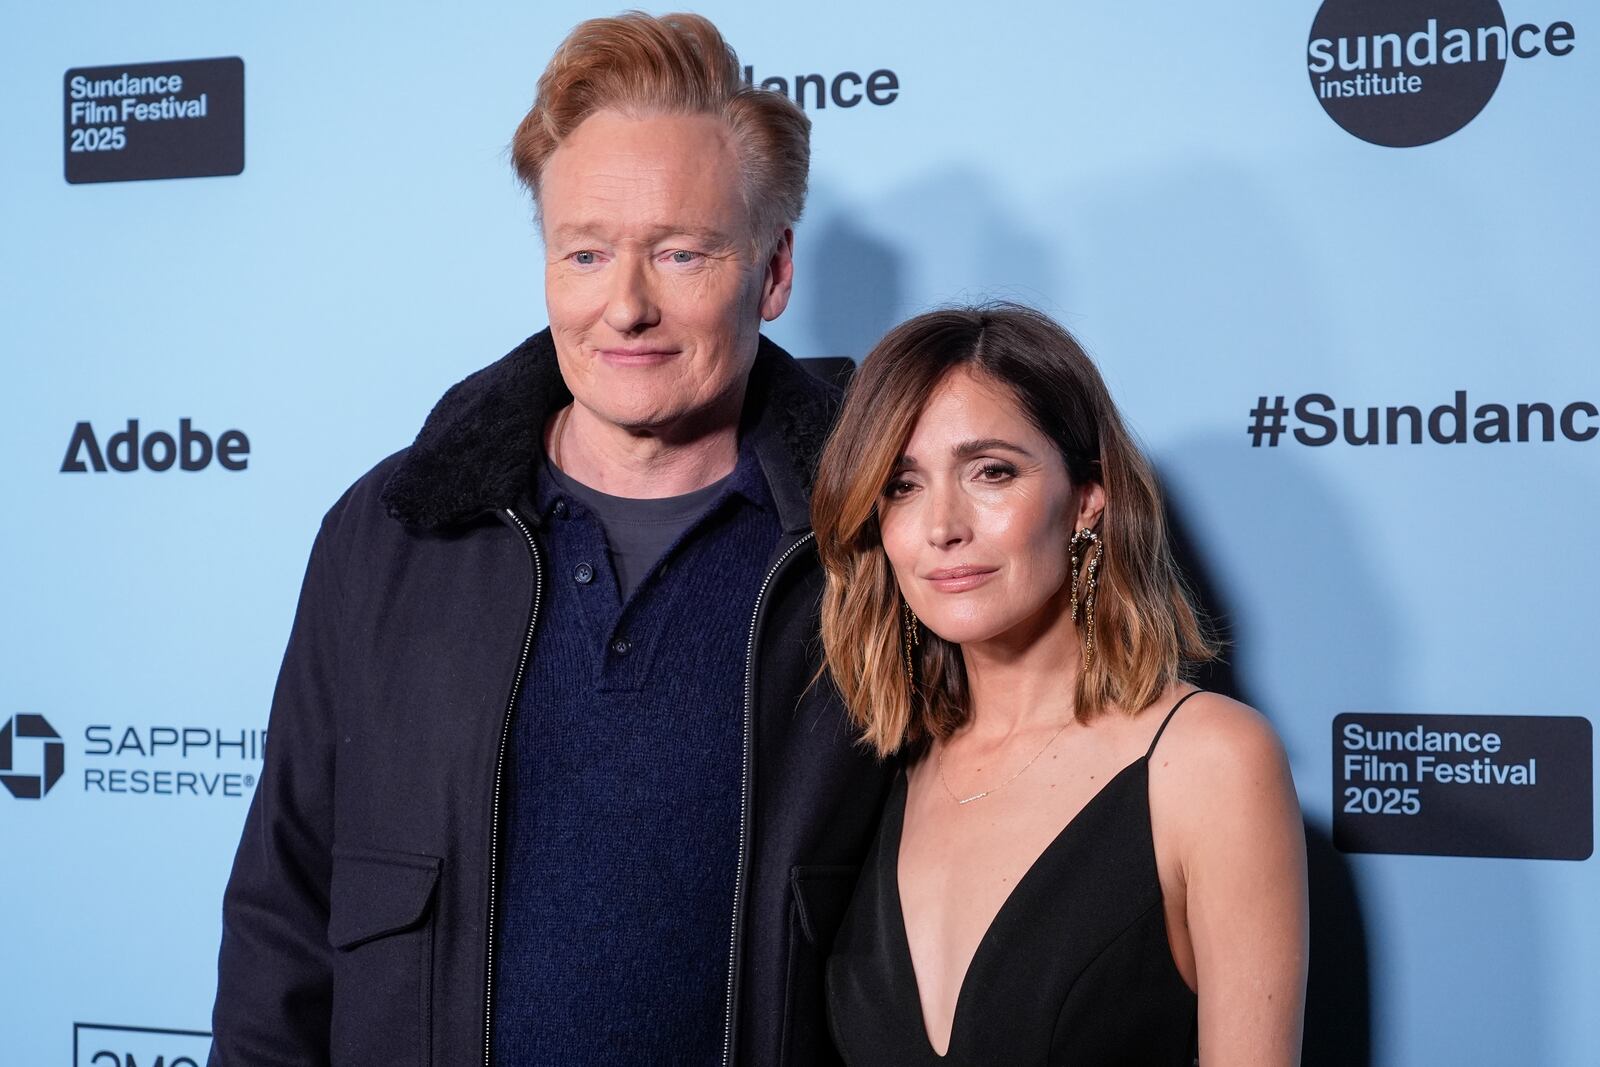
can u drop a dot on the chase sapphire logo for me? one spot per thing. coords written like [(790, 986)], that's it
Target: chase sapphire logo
[(1403, 73), (32, 756)]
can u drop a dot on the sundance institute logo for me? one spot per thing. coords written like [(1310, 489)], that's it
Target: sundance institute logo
[(28, 769), (1402, 73)]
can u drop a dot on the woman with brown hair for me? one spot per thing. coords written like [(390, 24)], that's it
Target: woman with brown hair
[(1067, 871)]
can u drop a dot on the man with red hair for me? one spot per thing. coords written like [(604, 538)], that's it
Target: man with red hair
[(549, 781)]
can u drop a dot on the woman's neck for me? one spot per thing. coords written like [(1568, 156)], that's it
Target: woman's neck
[(1022, 680)]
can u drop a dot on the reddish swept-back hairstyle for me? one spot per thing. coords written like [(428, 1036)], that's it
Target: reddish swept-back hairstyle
[(639, 64), (1146, 626)]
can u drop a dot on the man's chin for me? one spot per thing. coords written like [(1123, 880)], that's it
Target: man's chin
[(645, 420)]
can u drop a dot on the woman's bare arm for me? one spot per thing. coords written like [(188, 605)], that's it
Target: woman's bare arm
[(1240, 842)]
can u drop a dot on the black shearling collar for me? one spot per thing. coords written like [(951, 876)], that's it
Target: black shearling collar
[(476, 451)]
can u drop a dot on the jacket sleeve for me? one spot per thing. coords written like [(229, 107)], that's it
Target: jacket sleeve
[(274, 973)]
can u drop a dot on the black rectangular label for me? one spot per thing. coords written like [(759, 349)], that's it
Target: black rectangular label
[(137, 121), (1515, 786), (97, 1044)]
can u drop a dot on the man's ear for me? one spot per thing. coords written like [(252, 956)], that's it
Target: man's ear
[(779, 279)]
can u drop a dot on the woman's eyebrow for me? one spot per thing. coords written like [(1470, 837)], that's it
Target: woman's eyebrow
[(968, 449)]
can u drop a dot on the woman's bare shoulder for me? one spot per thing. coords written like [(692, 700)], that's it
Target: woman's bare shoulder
[(1212, 728), (1217, 756)]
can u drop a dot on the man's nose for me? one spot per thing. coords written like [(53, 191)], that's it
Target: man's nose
[(631, 304)]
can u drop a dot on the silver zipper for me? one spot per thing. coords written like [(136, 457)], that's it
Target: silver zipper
[(499, 773), (744, 790)]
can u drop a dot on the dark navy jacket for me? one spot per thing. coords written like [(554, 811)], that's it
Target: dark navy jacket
[(358, 919)]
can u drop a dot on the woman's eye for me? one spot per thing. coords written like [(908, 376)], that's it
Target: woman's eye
[(898, 488), (996, 472)]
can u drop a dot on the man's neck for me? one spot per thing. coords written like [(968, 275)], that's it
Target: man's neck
[(622, 462)]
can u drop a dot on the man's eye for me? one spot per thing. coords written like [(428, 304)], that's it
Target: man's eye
[(586, 259), (683, 257)]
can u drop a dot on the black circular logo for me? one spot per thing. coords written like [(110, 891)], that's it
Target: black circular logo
[(1402, 73)]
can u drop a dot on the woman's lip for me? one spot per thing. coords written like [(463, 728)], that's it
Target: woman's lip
[(959, 579), (957, 572)]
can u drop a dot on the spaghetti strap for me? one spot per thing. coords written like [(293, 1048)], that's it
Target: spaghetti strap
[(1163, 727)]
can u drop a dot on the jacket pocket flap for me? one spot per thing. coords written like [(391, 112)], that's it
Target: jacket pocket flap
[(822, 894), (377, 892)]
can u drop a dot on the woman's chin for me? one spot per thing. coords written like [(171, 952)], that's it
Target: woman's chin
[(969, 631)]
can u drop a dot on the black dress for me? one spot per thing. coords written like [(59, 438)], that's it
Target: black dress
[(1075, 969)]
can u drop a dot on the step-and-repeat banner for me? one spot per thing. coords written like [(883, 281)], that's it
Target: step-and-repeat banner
[(1338, 262)]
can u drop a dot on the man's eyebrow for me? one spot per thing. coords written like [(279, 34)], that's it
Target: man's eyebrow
[(569, 232), (705, 233), (576, 231)]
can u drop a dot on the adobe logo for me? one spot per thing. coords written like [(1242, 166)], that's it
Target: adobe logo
[(190, 449)]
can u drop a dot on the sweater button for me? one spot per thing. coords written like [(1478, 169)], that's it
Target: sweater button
[(621, 646), (560, 509), (583, 574)]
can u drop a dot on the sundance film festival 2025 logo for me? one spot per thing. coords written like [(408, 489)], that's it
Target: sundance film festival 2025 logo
[(32, 756), (1402, 73), (1509, 786), (140, 121)]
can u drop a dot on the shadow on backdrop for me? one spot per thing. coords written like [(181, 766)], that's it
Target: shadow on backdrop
[(853, 282), (849, 284)]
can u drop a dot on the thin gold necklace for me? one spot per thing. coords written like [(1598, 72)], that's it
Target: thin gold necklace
[(1002, 785), (555, 437)]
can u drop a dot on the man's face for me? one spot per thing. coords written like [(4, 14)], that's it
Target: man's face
[(656, 289)]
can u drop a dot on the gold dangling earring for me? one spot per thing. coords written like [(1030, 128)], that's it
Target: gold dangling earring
[(1085, 536), (908, 631)]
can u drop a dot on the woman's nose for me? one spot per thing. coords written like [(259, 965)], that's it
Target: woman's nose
[(949, 525)]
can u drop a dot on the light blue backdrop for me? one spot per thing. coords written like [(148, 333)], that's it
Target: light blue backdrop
[(1159, 176)]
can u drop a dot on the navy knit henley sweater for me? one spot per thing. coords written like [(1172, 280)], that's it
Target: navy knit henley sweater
[(622, 791)]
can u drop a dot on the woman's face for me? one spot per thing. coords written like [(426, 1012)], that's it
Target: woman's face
[(979, 513)]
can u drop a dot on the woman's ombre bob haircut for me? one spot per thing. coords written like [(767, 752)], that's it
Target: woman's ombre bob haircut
[(1146, 626)]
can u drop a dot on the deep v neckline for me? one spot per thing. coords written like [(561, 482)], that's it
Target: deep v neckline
[(904, 945)]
